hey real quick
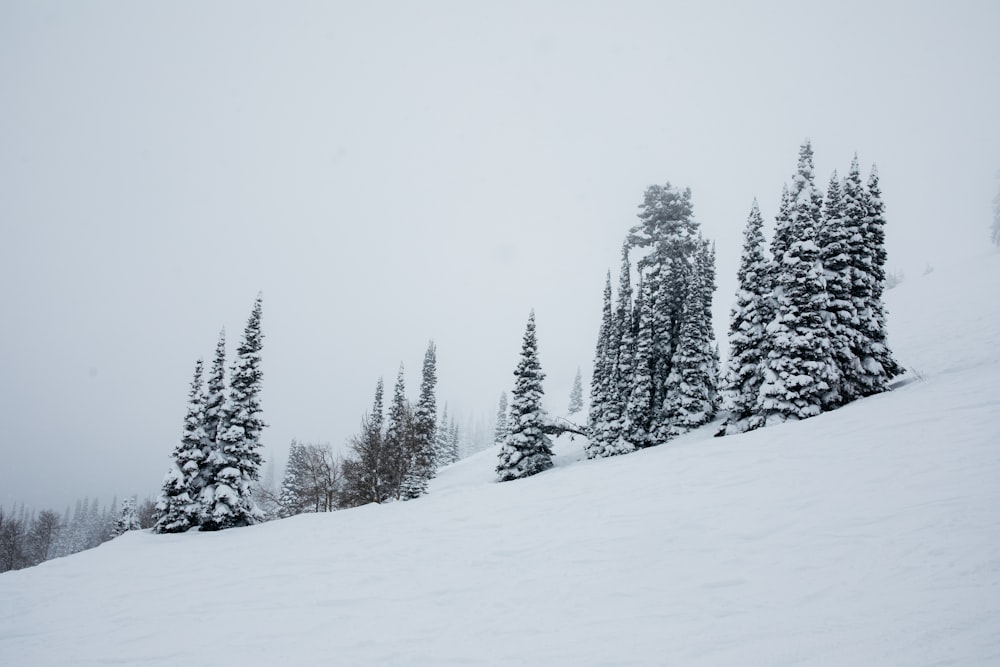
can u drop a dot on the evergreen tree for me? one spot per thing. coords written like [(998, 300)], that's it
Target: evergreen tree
[(397, 445), (747, 335), (800, 376), (454, 441), (691, 393), (422, 464), (236, 459), (576, 394), (670, 234), (783, 235), (623, 349), (366, 472), (835, 241), (442, 444), (527, 450), (179, 507), (501, 430), (876, 358), (127, 518), (604, 427), (214, 413), (639, 410), (290, 498)]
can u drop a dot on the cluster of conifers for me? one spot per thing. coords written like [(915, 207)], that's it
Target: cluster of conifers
[(218, 456), (807, 334)]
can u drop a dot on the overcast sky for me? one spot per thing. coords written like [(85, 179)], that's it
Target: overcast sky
[(392, 172)]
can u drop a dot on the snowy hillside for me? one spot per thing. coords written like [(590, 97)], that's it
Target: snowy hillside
[(865, 536)]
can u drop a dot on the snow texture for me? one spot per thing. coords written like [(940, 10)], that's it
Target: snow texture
[(864, 536)]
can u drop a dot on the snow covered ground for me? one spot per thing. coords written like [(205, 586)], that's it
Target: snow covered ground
[(868, 536)]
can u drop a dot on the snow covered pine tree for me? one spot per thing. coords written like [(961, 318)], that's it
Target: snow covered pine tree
[(236, 458), (747, 323), (178, 507), (527, 450), (422, 464)]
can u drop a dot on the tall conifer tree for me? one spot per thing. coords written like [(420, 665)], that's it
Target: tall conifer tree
[(422, 464), (179, 507), (236, 459), (800, 376), (527, 450), (747, 336)]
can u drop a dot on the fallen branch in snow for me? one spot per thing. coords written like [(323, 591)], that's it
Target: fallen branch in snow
[(561, 425)]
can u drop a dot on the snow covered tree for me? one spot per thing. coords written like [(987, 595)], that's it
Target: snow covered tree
[(366, 472), (622, 347), (236, 458), (604, 430), (690, 397), (876, 358), (747, 335), (501, 431), (422, 464), (679, 281), (291, 497), (527, 450), (454, 441), (442, 446), (179, 507), (576, 394), (127, 518), (639, 409), (312, 480), (397, 444), (214, 413), (800, 376)]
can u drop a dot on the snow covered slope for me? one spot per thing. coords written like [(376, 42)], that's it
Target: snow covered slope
[(868, 536)]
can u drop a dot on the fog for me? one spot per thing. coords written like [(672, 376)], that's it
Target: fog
[(387, 173)]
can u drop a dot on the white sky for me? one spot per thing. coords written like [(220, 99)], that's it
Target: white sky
[(390, 172)]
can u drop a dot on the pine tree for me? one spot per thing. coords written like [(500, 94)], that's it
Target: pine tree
[(236, 459), (876, 358), (576, 394), (214, 413), (290, 497), (422, 463), (442, 444), (691, 392), (670, 233), (127, 518), (398, 436), (366, 473), (639, 410), (834, 240), (179, 508), (602, 413), (800, 376), (501, 431), (747, 335), (454, 441), (783, 235), (623, 349), (527, 450)]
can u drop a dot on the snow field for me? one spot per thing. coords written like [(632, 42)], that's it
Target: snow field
[(865, 536)]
